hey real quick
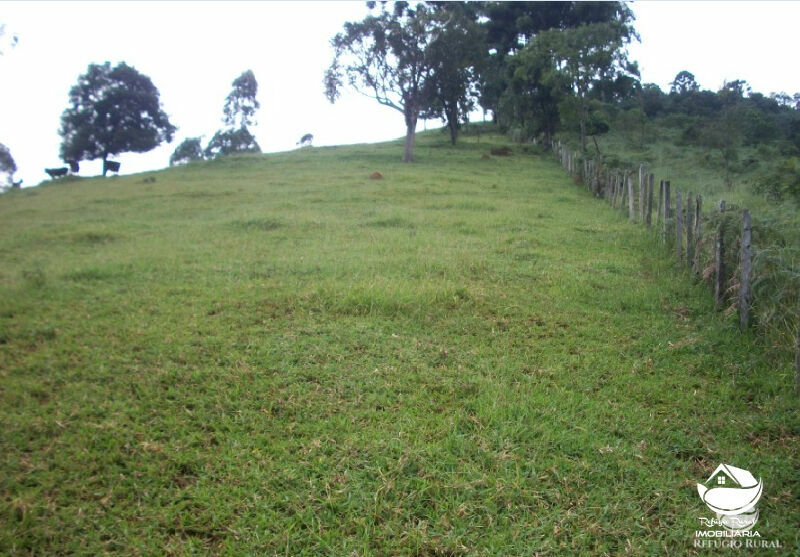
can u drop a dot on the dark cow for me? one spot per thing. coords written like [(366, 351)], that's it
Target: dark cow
[(17, 184), (56, 172), (306, 140), (112, 166)]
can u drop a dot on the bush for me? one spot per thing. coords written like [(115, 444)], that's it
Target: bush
[(189, 150), (782, 182)]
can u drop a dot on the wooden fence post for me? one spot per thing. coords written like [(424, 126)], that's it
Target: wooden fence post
[(746, 271), (719, 259), (689, 230), (631, 200), (623, 190), (650, 183), (659, 217), (642, 190), (698, 234), (797, 364), (678, 226), (667, 210)]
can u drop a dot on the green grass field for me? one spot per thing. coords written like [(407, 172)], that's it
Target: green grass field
[(278, 355)]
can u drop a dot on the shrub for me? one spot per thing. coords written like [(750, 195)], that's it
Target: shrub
[(782, 182)]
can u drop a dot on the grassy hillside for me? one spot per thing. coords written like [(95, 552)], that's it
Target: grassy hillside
[(664, 151), (277, 354), (694, 168)]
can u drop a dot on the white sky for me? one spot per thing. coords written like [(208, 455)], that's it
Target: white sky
[(194, 50)]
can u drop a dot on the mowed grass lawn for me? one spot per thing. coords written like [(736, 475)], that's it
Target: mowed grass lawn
[(278, 355)]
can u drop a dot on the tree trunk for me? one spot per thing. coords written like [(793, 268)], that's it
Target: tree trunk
[(596, 146), (452, 124), (582, 117), (105, 168), (411, 128), (583, 132)]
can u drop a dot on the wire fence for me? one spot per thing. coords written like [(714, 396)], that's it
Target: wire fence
[(758, 282)]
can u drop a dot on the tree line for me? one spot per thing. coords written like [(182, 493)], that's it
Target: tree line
[(724, 123), (545, 67), (538, 68), (114, 110), (529, 64)]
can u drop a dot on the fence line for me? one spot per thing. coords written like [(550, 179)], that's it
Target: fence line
[(684, 227)]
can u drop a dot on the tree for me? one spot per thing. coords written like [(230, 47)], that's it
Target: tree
[(231, 141), (653, 100), (723, 135), (7, 165), (781, 181), (583, 58), (531, 98), (684, 84), (238, 113), (112, 111), (453, 54), (189, 150), (386, 57), (241, 104), (510, 26)]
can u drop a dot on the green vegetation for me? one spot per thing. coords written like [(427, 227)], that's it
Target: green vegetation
[(756, 177), (269, 354), (112, 111), (7, 166)]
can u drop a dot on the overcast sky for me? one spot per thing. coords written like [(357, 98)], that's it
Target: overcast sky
[(194, 50)]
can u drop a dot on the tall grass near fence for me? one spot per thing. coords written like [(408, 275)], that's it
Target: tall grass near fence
[(752, 265)]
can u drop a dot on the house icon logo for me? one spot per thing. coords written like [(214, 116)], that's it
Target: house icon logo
[(732, 493)]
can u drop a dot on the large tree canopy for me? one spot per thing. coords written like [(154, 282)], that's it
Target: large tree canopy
[(112, 111), (454, 56), (510, 26), (684, 83), (386, 57), (583, 59)]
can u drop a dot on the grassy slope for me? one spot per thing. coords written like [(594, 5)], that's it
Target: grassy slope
[(277, 354), (776, 225), (693, 168)]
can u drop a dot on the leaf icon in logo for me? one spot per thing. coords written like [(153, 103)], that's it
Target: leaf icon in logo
[(733, 490)]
